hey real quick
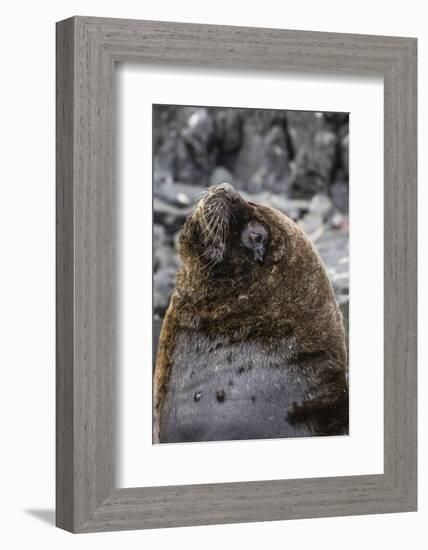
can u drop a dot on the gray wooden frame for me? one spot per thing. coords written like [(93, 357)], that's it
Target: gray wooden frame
[(87, 50)]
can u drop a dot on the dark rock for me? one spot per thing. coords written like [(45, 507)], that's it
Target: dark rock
[(321, 206), (164, 253), (165, 256), (228, 130), (335, 121), (168, 119), (198, 134), (178, 194), (338, 221), (314, 147), (159, 235), (324, 152), (198, 137), (320, 209), (186, 169), (262, 162), (164, 162), (163, 285), (157, 327), (294, 208), (333, 247), (163, 249), (339, 194), (168, 215), (344, 149), (310, 223)]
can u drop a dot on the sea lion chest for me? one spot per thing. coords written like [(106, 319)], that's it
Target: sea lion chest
[(223, 390)]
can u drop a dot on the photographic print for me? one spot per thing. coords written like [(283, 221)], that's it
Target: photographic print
[(250, 273), (244, 213)]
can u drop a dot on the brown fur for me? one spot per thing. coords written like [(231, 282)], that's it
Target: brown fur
[(288, 295)]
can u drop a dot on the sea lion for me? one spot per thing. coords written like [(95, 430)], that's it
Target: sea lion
[(252, 344)]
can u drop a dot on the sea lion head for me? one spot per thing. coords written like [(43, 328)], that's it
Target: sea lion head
[(248, 269), (227, 235)]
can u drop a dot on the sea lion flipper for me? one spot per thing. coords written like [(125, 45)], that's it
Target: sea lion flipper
[(325, 407), (164, 360)]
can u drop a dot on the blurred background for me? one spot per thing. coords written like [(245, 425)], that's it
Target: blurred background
[(295, 161)]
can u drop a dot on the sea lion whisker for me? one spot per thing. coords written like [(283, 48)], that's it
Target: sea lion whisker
[(208, 265), (208, 250), (211, 229), (209, 212), (219, 228), (200, 195), (209, 222), (212, 224)]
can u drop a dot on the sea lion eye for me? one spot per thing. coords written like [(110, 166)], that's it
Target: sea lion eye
[(254, 236)]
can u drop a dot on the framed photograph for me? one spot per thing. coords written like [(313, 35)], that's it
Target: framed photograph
[(260, 187), (236, 274)]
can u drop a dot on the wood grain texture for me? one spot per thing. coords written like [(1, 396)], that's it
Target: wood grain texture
[(87, 49), (64, 276)]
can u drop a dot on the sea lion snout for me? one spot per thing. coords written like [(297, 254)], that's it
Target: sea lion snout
[(224, 192), (224, 199), (226, 222), (226, 187), (214, 213)]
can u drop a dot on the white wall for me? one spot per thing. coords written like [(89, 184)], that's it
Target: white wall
[(27, 270)]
